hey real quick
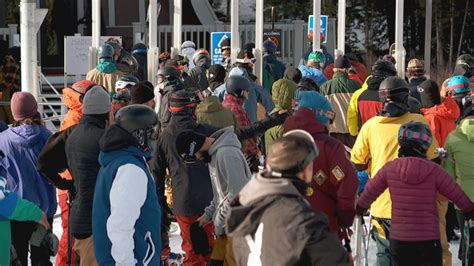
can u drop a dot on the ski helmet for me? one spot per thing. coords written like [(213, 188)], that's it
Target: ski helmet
[(383, 69), (106, 51), (415, 65), (458, 86), (394, 89), (415, 136), (82, 86), (225, 44), (126, 81), (164, 57), (464, 66), (317, 56), (202, 58), (414, 105), (269, 46), (236, 85), (187, 45), (138, 120), (169, 73), (182, 99), (115, 44), (139, 48), (130, 61)]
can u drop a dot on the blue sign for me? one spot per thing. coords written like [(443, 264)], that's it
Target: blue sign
[(216, 40), (324, 26)]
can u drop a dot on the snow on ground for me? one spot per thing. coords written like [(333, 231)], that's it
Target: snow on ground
[(175, 243)]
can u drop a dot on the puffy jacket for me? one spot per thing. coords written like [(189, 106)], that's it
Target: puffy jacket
[(82, 150), (368, 102), (21, 146), (413, 86), (271, 224), (313, 73), (442, 119), (360, 68), (105, 74), (256, 95), (73, 116), (211, 112), (283, 92), (229, 173), (376, 145), (413, 184), (335, 181), (353, 110), (192, 189), (339, 91), (273, 71), (126, 210), (460, 148)]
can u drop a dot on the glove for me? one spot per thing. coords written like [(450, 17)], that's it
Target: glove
[(3, 184), (363, 177), (279, 117)]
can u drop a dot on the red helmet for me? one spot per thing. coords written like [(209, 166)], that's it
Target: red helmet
[(83, 86)]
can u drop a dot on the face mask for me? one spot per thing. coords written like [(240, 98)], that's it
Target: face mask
[(144, 137), (302, 187)]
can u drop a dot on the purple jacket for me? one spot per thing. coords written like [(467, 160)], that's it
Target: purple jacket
[(413, 184)]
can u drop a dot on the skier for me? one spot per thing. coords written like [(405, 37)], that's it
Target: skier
[(142, 93), (338, 91), (334, 184), (313, 67), (292, 73), (229, 173), (202, 62), (216, 75), (377, 145), (225, 50), (413, 183), (359, 69), (464, 66), (458, 87), (169, 81), (271, 223), (121, 95), (105, 73), (460, 147), (188, 49), (139, 52), (82, 151), (126, 212), (273, 69), (365, 102), (21, 145), (416, 75)]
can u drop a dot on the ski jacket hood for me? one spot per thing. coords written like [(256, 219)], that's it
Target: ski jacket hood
[(224, 138), (106, 67), (283, 92), (210, 105), (26, 135), (467, 128), (116, 138), (442, 119), (447, 110)]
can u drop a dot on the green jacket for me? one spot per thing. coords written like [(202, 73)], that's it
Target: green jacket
[(283, 92), (13, 207), (460, 148), (339, 91), (211, 112)]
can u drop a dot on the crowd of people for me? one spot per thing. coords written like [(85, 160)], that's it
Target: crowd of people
[(255, 171)]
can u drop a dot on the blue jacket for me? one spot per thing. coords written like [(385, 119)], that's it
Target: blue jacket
[(313, 73), (130, 234), (256, 95), (21, 146)]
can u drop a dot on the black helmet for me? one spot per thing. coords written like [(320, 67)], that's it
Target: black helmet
[(308, 84), (415, 136), (182, 99), (383, 69), (115, 44), (126, 81), (414, 105), (106, 51), (464, 66), (394, 89), (236, 85), (130, 61), (138, 120), (169, 73)]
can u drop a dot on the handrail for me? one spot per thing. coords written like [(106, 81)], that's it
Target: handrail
[(51, 85)]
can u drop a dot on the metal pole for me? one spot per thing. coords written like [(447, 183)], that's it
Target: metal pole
[(341, 26), (317, 25), (28, 41), (177, 26), (153, 42), (234, 29), (273, 18), (95, 33), (399, 50), (259, 38), (428, 19)]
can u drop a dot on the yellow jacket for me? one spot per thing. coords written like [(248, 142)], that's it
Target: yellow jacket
[(352, 112)]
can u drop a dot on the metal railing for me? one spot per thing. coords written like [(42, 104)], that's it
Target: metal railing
[(8, 33)]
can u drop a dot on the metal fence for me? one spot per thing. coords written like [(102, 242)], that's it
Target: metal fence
[(294, 36), (7, 34)]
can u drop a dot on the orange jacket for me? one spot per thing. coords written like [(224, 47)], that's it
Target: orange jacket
[(359, 68), (73, 102), (442, 119)]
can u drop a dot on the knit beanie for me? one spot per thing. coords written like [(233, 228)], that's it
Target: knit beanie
[(283, 91), (23, 106), (96, 101), (293, 73), (342, 62), (142, 93), (318, 104), (188, 143), (429, 92)]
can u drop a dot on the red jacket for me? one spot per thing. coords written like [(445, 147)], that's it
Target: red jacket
[(442, 119), (335, 180), (359, 68), (413, 184)]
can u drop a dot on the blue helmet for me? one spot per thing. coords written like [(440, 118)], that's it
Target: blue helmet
[(269, 46)]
